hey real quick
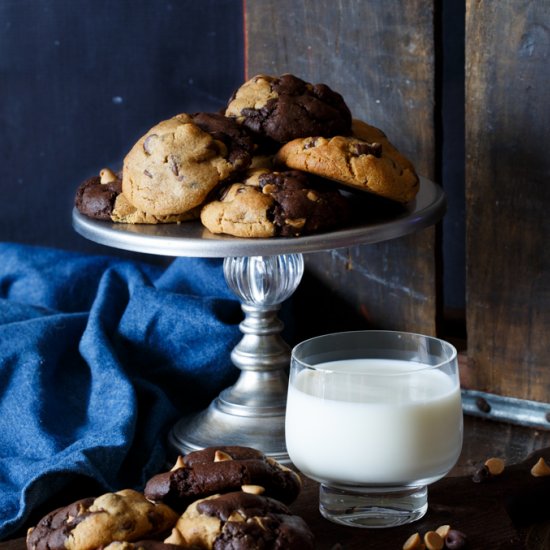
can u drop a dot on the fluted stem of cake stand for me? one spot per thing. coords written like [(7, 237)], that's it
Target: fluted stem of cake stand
[(252, 411)]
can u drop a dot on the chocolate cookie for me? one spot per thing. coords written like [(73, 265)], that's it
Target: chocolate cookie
[(285, 108), (96, 196), (243, 521), (373, 166), (90, 523), (221, 470), (176, 164), (303, 205), (268, 204)]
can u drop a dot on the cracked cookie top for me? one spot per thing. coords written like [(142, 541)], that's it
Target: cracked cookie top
[(220, 470), (366, 161), (286, 107), (178, 162), (90, 523), (267, 204), (240, 520)]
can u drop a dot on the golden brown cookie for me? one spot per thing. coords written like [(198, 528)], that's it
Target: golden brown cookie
[(369, 163), (241, 211), (178, 162), (91, 523), (242, 520)]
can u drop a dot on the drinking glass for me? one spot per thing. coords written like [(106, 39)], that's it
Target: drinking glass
[(374, 417)]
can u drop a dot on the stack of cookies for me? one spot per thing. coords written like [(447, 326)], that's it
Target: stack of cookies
[(281, 161), (222, 497)]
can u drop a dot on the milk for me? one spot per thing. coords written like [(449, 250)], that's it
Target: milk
[(380, 427)]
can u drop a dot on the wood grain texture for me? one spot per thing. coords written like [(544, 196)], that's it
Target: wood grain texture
[(380, 57), (508, 196)]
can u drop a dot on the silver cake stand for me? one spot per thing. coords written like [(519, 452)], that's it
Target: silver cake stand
[(263, 273)]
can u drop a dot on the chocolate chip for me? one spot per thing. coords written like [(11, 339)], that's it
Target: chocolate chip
[(455, 540), (374, 149), (149, 143), (481, 475), (173, 164)]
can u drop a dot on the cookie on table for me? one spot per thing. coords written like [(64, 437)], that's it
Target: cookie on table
[(268, 204), (368, 163), (178, 162), (286, 107), (221, 470), (242, 520), (90, 523)]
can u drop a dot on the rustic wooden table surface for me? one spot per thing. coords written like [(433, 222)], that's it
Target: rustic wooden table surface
[(511, 511)]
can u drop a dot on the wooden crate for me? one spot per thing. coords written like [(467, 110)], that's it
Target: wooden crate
[(382, 57), (508, 197), (387, 82)]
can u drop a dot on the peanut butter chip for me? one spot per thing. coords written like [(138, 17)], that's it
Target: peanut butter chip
[(312, 196), (414, 542), (540, 469), (179, 464), (106, 176), (175, 538), (495, 466), (433, 541), (221, 456), (253, 489)]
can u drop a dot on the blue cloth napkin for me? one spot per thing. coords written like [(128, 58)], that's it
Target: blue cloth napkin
[(98, 358)]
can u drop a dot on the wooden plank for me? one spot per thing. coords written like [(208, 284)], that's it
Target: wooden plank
[(508, 197), (380, 57)]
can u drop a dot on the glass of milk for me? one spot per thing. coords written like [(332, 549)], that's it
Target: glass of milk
[(374, 417)]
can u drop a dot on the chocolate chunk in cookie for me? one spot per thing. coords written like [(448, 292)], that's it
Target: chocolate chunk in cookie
[(367, 163), (221, 470), (240, 520), (96, 196), (285, 108), (235, 137), (90, 523)]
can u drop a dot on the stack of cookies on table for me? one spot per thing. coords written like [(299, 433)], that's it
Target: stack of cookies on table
[(219, 497), (281, 160)]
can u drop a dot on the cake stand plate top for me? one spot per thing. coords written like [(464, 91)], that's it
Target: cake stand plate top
[(193, 239)]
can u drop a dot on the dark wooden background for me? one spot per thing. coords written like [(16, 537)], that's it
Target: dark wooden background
[(461, 87), (82, 80)]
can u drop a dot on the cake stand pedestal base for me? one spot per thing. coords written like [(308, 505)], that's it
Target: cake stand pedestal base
[(251, 413)]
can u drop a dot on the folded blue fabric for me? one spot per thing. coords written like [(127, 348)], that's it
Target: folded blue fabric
[(98, 358)]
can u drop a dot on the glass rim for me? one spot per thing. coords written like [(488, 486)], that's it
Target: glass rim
[(452, 356)]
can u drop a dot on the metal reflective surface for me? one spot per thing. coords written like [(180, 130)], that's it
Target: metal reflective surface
[(262, 273), (192, 239)]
